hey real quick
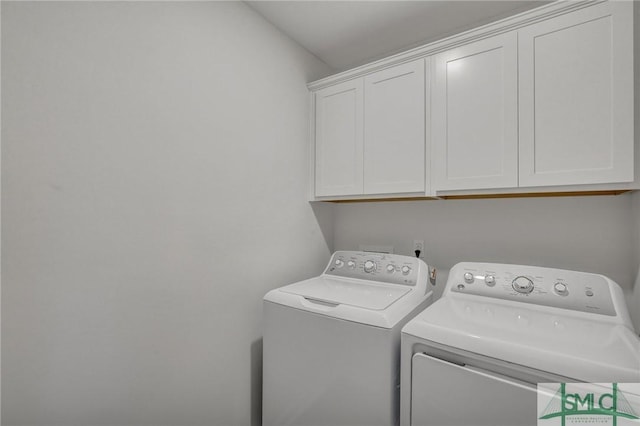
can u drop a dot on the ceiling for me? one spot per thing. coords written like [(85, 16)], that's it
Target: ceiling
[(345, 34)]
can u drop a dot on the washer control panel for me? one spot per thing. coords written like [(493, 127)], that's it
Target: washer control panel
[(387, 268), (579, 291)]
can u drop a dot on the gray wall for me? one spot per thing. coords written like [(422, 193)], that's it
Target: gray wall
[(580, 233), (154, 173)]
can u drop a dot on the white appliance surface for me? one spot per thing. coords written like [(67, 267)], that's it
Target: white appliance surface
[(331, 350), (481, 389), (546, 339), (568, 323), (498, 330), (370, 288), (349, 292)]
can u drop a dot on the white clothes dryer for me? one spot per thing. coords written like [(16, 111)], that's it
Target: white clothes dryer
[(331, 351), (475, 356)]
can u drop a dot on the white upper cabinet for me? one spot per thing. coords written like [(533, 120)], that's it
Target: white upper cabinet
[(370, 134), (394, 129), (475, 115), (339, 139), (539, 102), (576, 97)]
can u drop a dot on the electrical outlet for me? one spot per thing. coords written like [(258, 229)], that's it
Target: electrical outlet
[(418, 245)]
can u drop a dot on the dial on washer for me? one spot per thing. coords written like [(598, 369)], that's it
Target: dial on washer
[(522, 285), (369, 266)]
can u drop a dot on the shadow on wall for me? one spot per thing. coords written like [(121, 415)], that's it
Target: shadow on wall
[(256, 383), (324, 216), (634, 307)]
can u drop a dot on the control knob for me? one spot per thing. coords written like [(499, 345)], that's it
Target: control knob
[(406, 270), (369, 266), (351, 264), (522, 285), (490, 280), (468, 277), (339, 263), (391, 268)]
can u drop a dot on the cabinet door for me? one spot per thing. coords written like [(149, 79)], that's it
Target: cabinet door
[(394, 149), (339, 139), (475, 113), (576, 98)]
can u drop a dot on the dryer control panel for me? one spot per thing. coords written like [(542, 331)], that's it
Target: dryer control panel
[(381, 267), (578, 291)]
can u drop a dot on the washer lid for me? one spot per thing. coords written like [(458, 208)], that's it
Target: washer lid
[(361, 294), (365, 302), (570, 344)]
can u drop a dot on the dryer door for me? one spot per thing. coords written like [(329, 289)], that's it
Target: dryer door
[(447, 394)]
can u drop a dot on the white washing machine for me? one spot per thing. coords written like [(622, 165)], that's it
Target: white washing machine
[(331, 351), (475, 356)]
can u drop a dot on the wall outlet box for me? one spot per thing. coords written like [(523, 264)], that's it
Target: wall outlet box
[(418, 245)]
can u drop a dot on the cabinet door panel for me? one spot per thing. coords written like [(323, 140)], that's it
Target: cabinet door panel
[(576, 105), (339, 139), (394, 150), (475, 115)]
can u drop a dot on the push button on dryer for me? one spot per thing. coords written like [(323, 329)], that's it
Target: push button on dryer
[(561, 289), (522, 285)]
